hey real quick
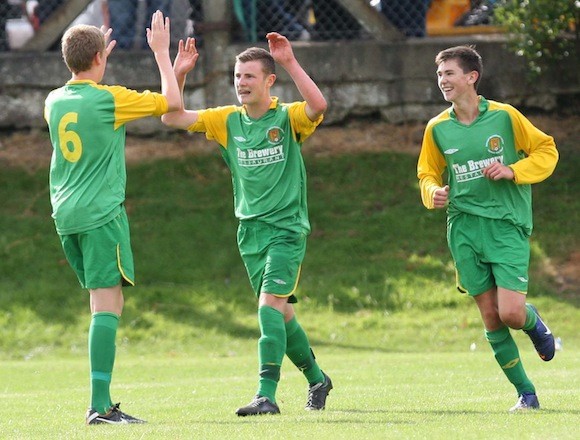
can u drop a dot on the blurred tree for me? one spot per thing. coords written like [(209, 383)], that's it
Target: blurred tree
[(544, 32)]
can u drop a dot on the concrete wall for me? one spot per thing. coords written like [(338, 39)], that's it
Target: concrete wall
[(395, 80)]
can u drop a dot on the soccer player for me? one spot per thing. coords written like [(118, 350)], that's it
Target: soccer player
[(492, 155), (87, 121), (261, 143)]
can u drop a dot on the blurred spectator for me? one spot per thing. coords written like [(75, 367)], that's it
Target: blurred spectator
[(123, 18), (333, 22), (5, 14), (258, 17), (409, 16), (194, 22), (3, 35), (95, 14), (481, 13), (40, 10), (28, 16)]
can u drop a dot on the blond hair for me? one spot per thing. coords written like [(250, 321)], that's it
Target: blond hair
[(80, 44)]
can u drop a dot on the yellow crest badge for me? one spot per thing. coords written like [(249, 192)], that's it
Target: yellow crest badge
[(275, 135), (494, 144)]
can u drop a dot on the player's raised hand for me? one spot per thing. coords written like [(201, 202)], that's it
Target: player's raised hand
[(441, 196), (280, 48), (186, 58), (158, 34), (109, 45)]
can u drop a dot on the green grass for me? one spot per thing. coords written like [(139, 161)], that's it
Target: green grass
[(375, 253), (377, 298), (377, 395)]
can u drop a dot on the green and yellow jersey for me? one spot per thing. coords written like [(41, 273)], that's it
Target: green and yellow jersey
[(265, 159), (499, 134), (87, 131)]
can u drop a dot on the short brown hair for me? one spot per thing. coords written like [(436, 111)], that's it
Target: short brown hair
[(80, 44), (258, 54), (467, 58)]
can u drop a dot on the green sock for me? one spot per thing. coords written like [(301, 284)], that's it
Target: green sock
[(531, 318), (508, 357), (271, 349), (102, 334), (299, 352)]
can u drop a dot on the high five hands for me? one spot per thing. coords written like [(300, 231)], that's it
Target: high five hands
[(186, 58)]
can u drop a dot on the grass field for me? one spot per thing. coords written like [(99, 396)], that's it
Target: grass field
[(377, 298), (378, 394)]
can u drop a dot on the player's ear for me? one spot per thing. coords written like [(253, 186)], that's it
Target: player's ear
[(472, 78), (99, 58), (271, 79)]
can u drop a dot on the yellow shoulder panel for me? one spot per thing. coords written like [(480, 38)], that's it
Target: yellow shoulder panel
[(212, 122)]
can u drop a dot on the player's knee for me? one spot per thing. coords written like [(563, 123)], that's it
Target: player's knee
[(513, 318)]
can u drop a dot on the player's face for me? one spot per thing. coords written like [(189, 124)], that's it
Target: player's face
[(251, 83), (452, 82)]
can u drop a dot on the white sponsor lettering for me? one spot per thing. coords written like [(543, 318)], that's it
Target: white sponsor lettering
[(473, 168), (481, 164), (264, 156)]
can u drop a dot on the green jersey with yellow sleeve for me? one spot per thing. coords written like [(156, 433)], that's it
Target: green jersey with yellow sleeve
[(499, 134), (265, 159), (86, 122)]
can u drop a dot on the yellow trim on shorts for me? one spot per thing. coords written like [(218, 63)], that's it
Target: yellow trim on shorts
[(125, 277), (286, 295), (458, 284), (522, 292)]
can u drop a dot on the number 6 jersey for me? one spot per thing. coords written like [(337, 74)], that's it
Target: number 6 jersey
[(86, 122)]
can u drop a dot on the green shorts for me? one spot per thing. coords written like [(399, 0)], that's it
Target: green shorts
[(102, 257), (273, 258), (487, 253)]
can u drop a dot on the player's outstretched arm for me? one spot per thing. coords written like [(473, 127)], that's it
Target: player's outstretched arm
[(281, 51), (158, 37), (185, 60), (181, 118)]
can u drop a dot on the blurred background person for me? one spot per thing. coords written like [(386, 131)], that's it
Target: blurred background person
[(409, 16), (95, 14), (123, 20), (258, 17)]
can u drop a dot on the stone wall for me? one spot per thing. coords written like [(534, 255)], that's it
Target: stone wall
[(395, 80)]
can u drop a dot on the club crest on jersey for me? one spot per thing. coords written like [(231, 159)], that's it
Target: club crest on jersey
[(275, 135), (494, 144)]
